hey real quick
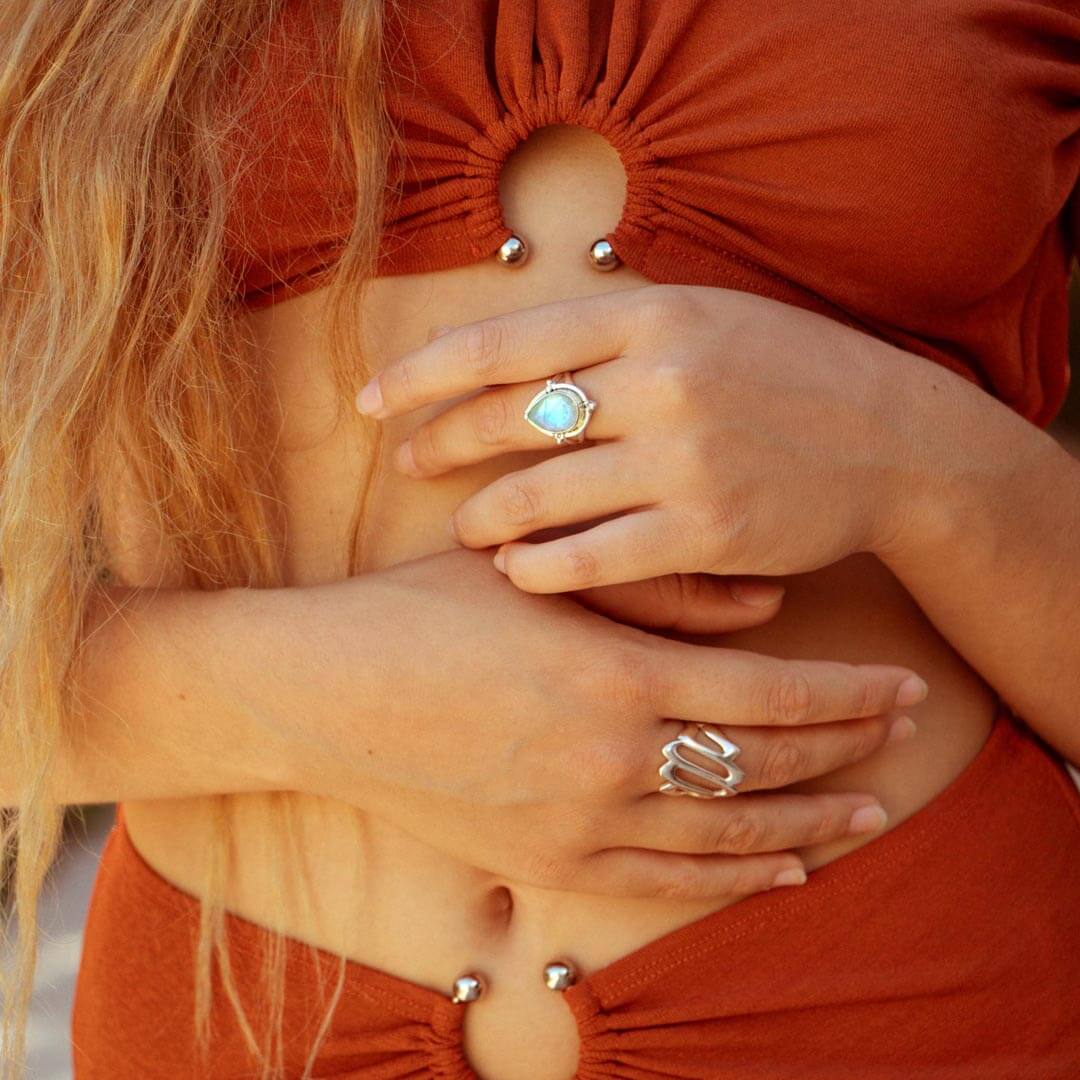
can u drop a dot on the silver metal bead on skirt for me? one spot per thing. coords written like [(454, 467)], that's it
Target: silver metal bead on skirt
[(602, 256), (513, 251), (468, 988), (559, 975)]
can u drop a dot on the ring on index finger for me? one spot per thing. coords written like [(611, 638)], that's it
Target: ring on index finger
[(562, 410), (721, 752)]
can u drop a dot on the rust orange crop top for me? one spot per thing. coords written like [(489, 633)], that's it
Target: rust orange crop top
[(910, 168)]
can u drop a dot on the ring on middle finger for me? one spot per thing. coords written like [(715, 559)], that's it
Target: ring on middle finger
[(561, 410), (721, 781)]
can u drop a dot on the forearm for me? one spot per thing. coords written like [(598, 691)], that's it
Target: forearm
[(987, 540), (162, 708)]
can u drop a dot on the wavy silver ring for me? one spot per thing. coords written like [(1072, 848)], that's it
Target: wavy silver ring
[(726, 780), (562, 410)]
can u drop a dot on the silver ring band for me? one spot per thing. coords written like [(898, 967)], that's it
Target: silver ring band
[(720, 783)]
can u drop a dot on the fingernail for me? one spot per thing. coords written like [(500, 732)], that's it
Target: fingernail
[(438, 331), (500, 561), (903, 727), (867, 819), (404, 459), (791, 876), (911, 691), (756, 593), (369, 400)]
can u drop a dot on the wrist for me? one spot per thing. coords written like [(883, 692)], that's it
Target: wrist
[(159, 693), (915, 409), (962, 463), (254, 671), (297, 666)]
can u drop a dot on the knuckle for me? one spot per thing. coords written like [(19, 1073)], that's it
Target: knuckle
[(402, 378), (739, 833), (783, 761), (484, 344), (582, 567), (682, 594), (789, 696), (717, 524), (684, 881), (866, 739), (520, 502), (491, 416), (425, 447), (827, 825), (866, 695), (461, 528)]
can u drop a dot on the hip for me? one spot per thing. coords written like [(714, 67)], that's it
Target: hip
[(942, 948)]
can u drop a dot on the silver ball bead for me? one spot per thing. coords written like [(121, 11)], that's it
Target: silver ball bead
[(513, 251), (468, 988), (602, 256), (559, 975)]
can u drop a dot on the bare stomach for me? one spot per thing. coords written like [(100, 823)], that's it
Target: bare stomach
[(383, 898)]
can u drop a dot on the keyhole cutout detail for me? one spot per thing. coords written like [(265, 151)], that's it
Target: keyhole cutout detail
[(568, 159)]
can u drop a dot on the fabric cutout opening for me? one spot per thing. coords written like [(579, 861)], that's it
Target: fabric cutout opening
[(563, 158)]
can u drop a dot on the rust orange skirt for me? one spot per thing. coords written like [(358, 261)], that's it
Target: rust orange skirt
[(949, 947)]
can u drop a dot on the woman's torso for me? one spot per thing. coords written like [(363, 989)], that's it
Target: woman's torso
[(882, 165), (385, 898)]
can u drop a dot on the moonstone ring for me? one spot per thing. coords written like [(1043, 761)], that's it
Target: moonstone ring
[(562, 410)]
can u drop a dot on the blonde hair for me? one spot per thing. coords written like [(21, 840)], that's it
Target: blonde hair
[(120, 339)]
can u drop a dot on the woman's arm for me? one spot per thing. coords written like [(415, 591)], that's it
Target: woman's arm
[(519, 733), (160, 711), (172, 685), (985, 534)]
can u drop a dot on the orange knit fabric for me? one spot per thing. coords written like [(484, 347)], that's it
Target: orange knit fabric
[(944, 949), (909, 168)]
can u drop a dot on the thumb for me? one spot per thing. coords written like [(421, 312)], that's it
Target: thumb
[(690, 603)]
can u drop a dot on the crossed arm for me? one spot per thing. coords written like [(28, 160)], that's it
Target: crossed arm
[(975, 510), (725, 415)]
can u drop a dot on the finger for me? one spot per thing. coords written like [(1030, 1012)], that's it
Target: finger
[(747, 824), (633, 871), (579, 486), (635, 546), (771, 757), (493, 422), (528, 344), (730, 686), (689, 603)]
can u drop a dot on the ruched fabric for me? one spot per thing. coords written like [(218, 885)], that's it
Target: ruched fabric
[(909, 169), (944, 949)]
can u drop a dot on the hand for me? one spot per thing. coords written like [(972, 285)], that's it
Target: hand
[(687, 603), (523, 734), (733, 434)]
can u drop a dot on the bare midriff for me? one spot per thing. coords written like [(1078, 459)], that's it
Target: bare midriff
[(359, 885)]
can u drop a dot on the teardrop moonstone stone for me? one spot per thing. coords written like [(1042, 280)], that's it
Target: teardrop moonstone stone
[(555, 411)]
